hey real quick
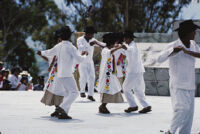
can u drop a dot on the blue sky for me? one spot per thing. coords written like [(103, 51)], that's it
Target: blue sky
[(192, 11)]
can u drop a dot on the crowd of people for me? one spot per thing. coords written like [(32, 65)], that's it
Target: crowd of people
[(17, 80)]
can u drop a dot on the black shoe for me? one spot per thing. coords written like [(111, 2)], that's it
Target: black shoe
[(103, 110), (55, 114), (62, 114), (146, 110), (83, 95), (131, 109), (168, 132), (91, 98)]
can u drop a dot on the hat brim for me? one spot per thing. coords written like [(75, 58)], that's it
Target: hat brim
[(194, 28)]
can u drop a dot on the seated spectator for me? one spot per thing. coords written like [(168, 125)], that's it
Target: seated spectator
[(1, 65), (1, 80), (24, 86), (14, 78), (40, 85), (5, 74), (6, 84)]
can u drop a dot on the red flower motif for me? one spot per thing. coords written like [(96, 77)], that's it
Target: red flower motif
[(123, 72), (109, 66), (107, 80)]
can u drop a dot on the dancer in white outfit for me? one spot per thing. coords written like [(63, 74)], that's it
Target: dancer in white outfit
[(109, 86), (86, 68), (181, 54), (134, 76), (53, 94), (66, 54), (120, 58)]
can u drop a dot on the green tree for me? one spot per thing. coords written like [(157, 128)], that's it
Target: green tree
[(20, 19), (135, 15)]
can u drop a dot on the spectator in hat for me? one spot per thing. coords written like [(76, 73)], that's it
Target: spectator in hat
[(181, 54), (134, 79), (24, 86), (86, 68)]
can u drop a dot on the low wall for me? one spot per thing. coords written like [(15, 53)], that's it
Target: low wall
[(157, 81)]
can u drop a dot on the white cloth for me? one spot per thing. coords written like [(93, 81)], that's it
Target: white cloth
[(67, 54), (183, 110), (70, 87), (181, 65), (54, 87), (14, 81), (22, 87), (86, 68), (1, 84), (84, 45), (114, 86), (134, 59), (119, 67), (135, 81), (87, 75), (182, 85)]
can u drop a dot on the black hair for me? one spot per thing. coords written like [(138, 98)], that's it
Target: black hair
[(90, 30), (65, 33), (13, 70), (119, 37), (109, 39), (128, 34), (57, 34), (24, 78)]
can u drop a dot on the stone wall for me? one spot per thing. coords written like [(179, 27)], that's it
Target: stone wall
[(157, 81)]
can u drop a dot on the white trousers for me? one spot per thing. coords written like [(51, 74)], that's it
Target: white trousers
[(87, 75), (135, 81), (70, 87), (183, 110)]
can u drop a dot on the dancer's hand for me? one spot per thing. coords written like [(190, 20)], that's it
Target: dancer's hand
[(39, 53), (124, 47), (178, 49), (93, 42)]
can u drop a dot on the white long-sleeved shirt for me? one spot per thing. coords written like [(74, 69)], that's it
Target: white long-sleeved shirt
[(181, 65), (84, 45), (14, 81), (66, 54), (134, 59)]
